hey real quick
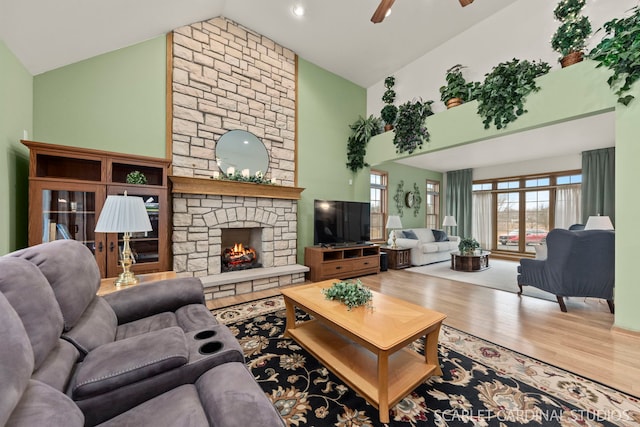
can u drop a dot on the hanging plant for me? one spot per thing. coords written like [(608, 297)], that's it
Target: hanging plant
[(361, 132), (502, 94), (411, 131), (389, 112), (619, 51), (571, 36)]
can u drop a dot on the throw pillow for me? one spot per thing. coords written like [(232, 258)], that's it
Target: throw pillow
[(399, 234), (410, 234), (440, 236)]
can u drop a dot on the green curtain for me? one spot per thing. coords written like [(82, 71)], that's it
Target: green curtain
[(458, 197), (598, 183)]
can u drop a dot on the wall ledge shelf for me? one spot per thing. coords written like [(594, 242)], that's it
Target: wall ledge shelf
[(191, 185)]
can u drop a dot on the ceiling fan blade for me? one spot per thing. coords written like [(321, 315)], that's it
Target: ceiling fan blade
[(464, 3), (381, 11)]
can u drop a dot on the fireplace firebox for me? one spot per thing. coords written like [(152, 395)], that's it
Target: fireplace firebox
[(240, 249)]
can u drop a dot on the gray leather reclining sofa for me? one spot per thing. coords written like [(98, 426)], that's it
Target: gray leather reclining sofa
[(150, 355)]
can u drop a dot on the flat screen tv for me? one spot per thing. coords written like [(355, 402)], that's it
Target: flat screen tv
[(338, 223)]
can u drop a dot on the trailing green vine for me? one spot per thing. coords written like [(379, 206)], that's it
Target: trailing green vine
[(619, 51), (502, 95), (411, 131), (361, 132)]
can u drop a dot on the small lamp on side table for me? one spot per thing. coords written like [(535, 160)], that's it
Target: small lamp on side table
[(124, 214), (449, 221), (394, 223)]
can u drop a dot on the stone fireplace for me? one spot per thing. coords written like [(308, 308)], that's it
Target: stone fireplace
[(200, 222), (226, 77)]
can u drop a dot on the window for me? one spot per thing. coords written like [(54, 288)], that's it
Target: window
[(487, 186), (432, 204), (378, 200), (527, 207), (569, 179)]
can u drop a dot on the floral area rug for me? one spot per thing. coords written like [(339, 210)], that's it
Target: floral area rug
[(483, 384)]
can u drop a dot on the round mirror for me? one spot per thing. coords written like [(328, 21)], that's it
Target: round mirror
[(240, 150)]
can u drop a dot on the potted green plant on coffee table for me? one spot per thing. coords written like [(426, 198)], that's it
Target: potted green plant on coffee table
[(351, 293), (468, 246)]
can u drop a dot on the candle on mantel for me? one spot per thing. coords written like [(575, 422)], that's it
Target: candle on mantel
[(273, 180), (216, 175), (245, 173), (231, 170)]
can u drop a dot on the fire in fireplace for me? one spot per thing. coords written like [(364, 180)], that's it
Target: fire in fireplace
[(239, 257)]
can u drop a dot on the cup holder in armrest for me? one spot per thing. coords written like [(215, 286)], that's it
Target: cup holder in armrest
[(211, 347), (204, 334)]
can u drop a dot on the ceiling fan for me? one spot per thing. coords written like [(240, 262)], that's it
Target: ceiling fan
[(385, 6)]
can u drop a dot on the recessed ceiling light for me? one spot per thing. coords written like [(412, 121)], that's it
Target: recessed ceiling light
[(298, 9)]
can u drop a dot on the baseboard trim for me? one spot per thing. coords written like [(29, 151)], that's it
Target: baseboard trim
[(627, 332)]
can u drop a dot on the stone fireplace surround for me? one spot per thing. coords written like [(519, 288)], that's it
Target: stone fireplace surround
[(198, 221), (227, 77)]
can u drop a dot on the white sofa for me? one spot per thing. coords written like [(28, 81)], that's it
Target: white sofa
[(425, 249)]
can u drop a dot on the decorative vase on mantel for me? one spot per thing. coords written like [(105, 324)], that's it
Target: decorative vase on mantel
[(571, 58), (453, 102)]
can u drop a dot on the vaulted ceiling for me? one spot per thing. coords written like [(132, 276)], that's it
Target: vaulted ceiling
[(334, 34)]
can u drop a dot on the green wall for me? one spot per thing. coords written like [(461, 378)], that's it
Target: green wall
[(327, 104), (627, 291), (113, 102), (16, 109), (409, 175)]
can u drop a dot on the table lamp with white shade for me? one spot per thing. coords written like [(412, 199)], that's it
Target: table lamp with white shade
[(598, 223), (449, 221), (124, 214), (394, 223)]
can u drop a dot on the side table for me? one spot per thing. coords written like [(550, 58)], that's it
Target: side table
[(399, 258), (108, 285)]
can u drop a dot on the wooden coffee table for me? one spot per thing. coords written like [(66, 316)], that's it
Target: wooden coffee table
[(475, 262), (344, 341)]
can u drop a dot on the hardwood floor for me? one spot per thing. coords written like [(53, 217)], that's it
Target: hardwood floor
[(581, 340)]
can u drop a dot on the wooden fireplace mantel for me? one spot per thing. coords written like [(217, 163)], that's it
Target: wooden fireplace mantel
[(190, 185)]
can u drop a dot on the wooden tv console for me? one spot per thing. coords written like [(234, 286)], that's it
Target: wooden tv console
[(341, 262)]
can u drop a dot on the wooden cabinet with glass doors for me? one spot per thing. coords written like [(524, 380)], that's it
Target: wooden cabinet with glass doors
[(68, 187)]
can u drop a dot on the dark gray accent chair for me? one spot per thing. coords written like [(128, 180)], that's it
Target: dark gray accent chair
[(578, 264), (177, 366)]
